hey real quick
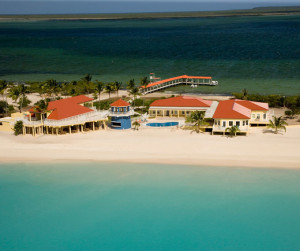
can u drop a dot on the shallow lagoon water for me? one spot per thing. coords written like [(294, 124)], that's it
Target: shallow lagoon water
[(148, 207), (257, 53)]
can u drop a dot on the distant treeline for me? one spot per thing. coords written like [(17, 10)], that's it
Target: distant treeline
[(291, 102), (261, 11)]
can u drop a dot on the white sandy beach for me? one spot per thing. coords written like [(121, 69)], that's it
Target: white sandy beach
[(157, 145)]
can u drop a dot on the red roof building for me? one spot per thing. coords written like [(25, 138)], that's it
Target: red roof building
[(181, 101), (120, 103), (238, 109), (69, 107)]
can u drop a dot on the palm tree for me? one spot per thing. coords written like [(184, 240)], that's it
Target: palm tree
[(22, 89), (51, 86), (18, 93), (144, 82), (99, 86), (197, 118), (108, 88), (41, 107), (3, 86), (130, 84), (14, 93), (87, 78), (134, 92), (117, 87), (136, 125), (244, 94), (42, 89), (278, 123), (64, 88), (56, 87), (87, 82), (232, 130), (3, 89)]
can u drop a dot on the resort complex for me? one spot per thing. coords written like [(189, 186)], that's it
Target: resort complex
[(77, 114)]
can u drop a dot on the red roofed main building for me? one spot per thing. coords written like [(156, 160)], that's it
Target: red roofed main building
[(68, 107), (67, 116), (240, 113), (180, 106)]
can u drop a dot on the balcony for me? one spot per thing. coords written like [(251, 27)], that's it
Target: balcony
[(120, 114), (260, 120), (222, 128), (27, 122)]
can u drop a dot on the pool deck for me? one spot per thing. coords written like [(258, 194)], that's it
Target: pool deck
[(163, 120)]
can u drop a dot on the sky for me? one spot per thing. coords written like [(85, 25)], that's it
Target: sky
[(130, 6)]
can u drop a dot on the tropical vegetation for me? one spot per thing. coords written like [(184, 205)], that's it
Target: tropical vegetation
[(232, 130), (18, 128), (277, 124), (198, 120), (136, 125), (274, 100)]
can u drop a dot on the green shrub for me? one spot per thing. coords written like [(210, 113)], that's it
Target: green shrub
[(139, 102), (288, 113), (4, 105), (18, 128)]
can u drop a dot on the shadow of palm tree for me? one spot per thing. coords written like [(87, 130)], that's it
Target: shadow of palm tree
[(272, 131), (268, 131)]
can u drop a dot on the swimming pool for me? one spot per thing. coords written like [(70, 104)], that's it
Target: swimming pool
[(163, 124)]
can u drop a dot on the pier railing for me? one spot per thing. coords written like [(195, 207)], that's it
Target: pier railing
[(159, 85)]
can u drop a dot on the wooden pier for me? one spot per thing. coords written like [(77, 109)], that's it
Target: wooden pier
[(170, 82)]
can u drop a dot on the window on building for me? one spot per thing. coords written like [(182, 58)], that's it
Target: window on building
[(238, 123), (224, 123), (246, 122), (265, 116), (115, 124), (230, 123), (219, 122), (183, 112), (216, 122), (258, 116), (1, 123), (253, 115)]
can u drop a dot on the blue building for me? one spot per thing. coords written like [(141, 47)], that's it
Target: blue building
[(120, 112)]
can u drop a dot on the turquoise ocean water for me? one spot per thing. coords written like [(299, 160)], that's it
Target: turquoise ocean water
[(258, 53), (148, 207)]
